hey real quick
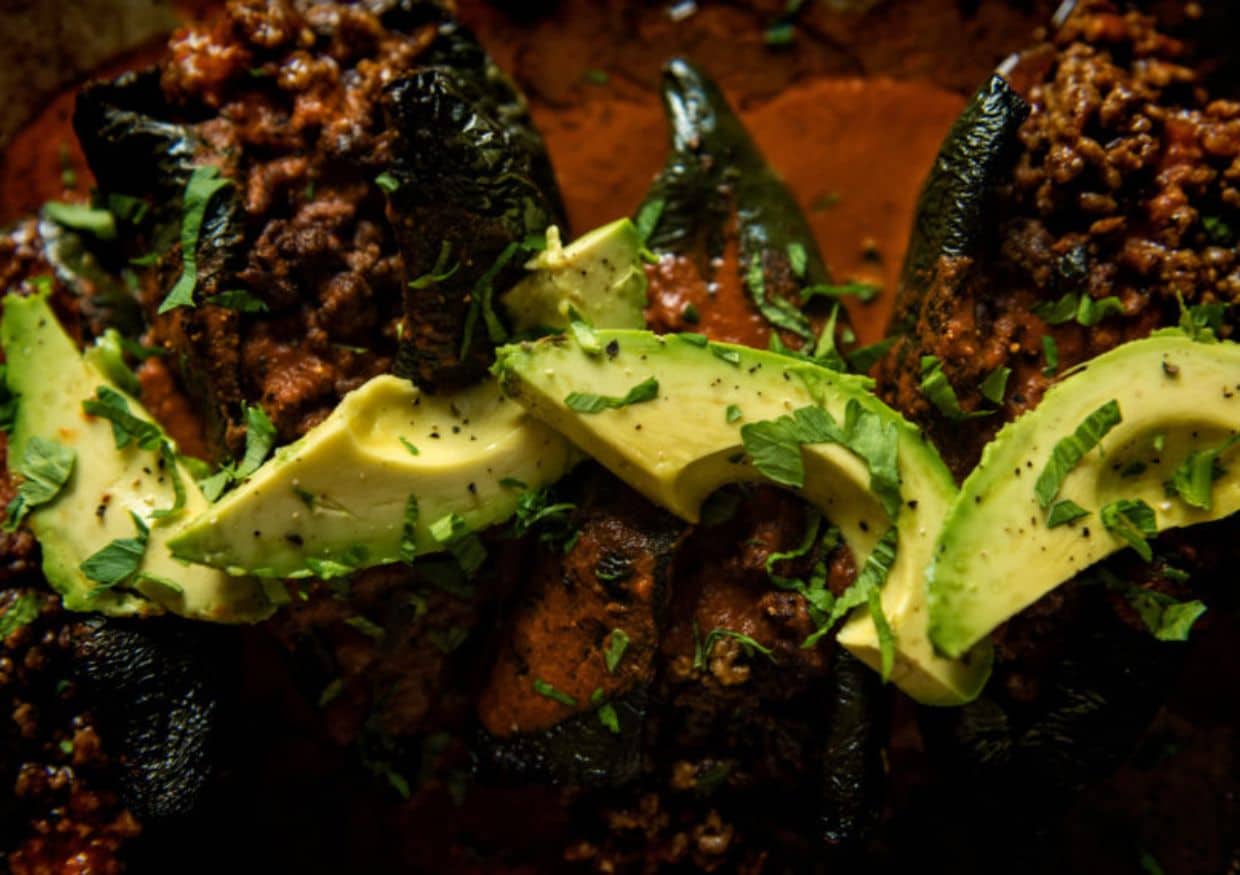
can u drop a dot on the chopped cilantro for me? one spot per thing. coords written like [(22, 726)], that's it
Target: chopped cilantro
[(1167, 618), (864, 358), (1071, 449), (607, 715), (702, 653), (23, 609), (781, 33), (864, 292), (203, 184), (774, 445), (584, 334), (1202, 322), (1217, 230), (732, 413), (798, 259), (240, 300), (586, 402), (408, 445), (1133, 522), (617, 643), (1050, 351), (596, 77), (117, 562), (1194, 479), (731, 356), (45, 468), (693, 339), (995, 384), (777, 311), (1086, 310), (648, 216), (545, 689), (331, 692), (512, 483), (1064, 511), (939, 391), (440, 271), (367, 627), (260, 437), (126, 428), (690, 314), (81, 217), (453, 533), (449, 639), (480, 297), (386, 181), (535, 508)]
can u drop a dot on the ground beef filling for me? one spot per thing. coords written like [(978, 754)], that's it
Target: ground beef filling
[(291, 98)]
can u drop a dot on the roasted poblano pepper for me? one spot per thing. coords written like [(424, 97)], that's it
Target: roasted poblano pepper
[(716, 185), (473, 190)]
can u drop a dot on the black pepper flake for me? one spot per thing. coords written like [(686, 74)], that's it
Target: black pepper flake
[(435, 435), (294, 539), (912, 504), (1171, 370), (864, 526), (473, 488), (612, 349)]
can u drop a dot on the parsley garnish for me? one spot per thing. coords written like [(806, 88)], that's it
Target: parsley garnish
[(1085, 310), (648, 217), (23, 609), (865, 590), (545, 689), (1071, 449), (586, 402), (777, 311), (606, 713), (203, 183), (452, 532), (1064, 511), (993, 387), (864, 292), (45, 468), (1132, 522), (1050, 351), (774, 445), (1194, 479), (703, 649), (440, 271), (239, 300), (1167, 618), (938, 390), (117, 562), (81, 217), (617, 643)]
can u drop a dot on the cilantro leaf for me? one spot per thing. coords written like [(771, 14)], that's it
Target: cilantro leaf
[(939, 391), (864, 358), (453, 533), (732, 413), (440, 271), (995, 384), (1194, 479), (1064, 511), (81, 217), (608, 717), (871, 578), (864, 292), (239, 300), (586, 402), (203, 184), (777, 311), (1132, 522), (1167, 618), (798, 259), (387, 182), (260, 437), (702, 654), (583, 332), (617, 643), (117, 562), (545, 689), (648, 217), (1050, 351), (1086, 310), (1069, 450), (45, 468), (23, 609)]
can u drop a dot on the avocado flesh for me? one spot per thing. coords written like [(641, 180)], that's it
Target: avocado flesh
[(611, 291), (995, 554), (679, 448), (339, 494), (52, 380)]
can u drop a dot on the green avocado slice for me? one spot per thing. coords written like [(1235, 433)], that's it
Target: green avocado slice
[(106, 485), (685, 442), (338, 499), (997, 554)]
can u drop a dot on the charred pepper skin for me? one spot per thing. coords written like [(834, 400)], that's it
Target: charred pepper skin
[(852, 763), (715, 173), (473, 178)]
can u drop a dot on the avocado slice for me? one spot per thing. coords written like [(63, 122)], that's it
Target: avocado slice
[(996, 553), (338, 499), (679, 447), (107, 484), (612, 292)]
